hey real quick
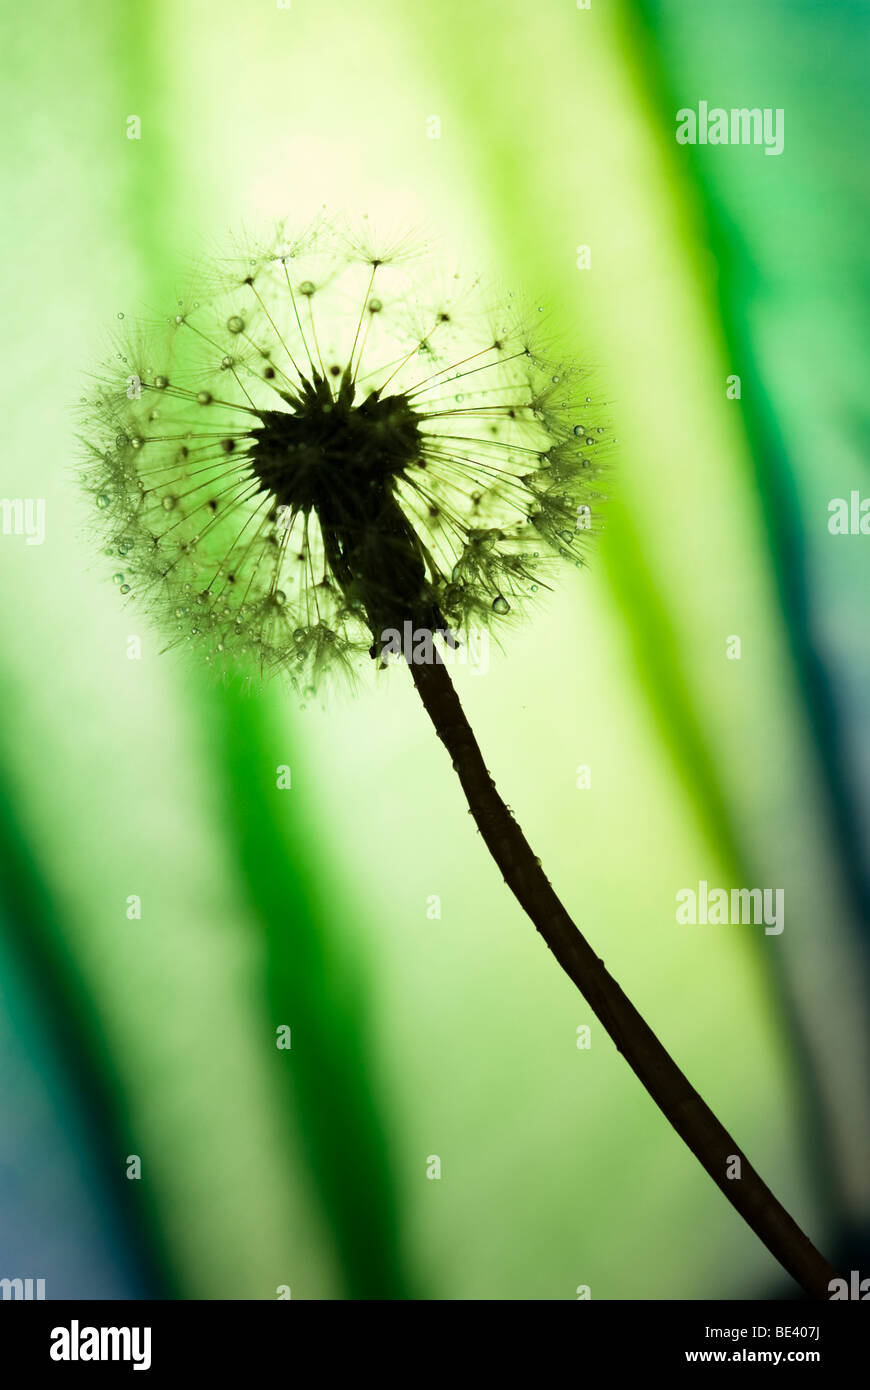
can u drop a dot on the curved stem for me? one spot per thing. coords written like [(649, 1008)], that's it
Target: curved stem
[(678, 1100)]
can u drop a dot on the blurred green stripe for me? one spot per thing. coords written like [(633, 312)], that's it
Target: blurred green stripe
[(519, 195), (328, 1102), (739, 283), (776, 484), (660, 669), (313, 986)]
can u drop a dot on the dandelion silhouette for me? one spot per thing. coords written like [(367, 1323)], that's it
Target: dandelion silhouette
[(313, 452), (317, 453)]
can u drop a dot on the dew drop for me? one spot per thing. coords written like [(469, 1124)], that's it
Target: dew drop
[(118, 578), (307, 288), (500, 605), (235, 323), (375, 306), (125, 589), (137, 441), (169, 502), (120, 316), (455, 573), (280, 597), (103, 501), (161, 382), (204, 398), (226, 362), (578, 429)]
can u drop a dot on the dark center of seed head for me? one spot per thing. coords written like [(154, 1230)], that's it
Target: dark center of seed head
[(339, 457), (325, 452)]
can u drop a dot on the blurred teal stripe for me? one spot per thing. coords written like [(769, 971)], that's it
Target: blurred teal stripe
[(757, 280), (37, 934), (744, 269), (59, 1220)]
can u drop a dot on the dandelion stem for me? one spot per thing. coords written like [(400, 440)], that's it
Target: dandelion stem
[(690, 1116)]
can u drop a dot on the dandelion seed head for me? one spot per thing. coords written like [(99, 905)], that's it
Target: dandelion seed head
[(333, 437)]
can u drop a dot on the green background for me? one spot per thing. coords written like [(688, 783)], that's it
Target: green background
[(308, 907)]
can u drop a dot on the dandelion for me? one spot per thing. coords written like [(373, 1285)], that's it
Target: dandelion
[(325, 445), (320, 452)]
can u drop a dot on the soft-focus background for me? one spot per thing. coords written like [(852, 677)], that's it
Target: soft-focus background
[(122, 779)]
